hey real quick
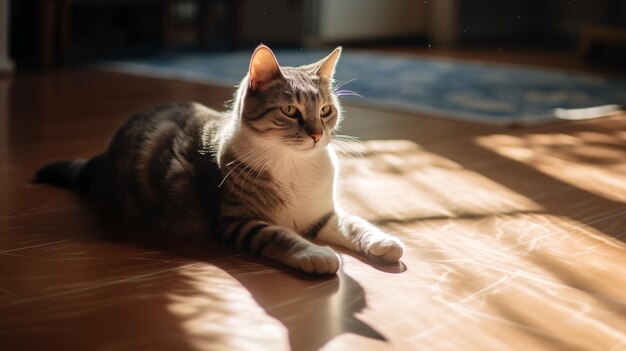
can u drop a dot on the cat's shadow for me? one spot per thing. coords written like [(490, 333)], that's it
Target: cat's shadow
[(327, 310), (313, 309)]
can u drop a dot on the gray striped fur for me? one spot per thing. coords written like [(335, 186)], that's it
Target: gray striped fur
[(253, 177)]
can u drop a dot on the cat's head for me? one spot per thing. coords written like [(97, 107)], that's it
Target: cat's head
[(294, 107)]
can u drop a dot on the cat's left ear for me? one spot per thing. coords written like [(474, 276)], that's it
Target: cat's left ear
[(327, 65), (264, 67)]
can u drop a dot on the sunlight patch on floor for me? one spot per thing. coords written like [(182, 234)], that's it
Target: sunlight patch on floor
[(217, 312), (482, 258), (529, 279), (406, 182), (572, 159)]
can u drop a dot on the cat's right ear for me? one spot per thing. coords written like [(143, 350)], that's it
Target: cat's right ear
[(264, 68)]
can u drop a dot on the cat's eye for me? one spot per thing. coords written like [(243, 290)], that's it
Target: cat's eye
[(326, 110), (289, 110)]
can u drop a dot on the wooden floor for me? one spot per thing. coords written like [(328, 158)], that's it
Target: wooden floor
[(515, 239)]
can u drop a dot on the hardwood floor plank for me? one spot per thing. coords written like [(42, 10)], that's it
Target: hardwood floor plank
[(514, 239)]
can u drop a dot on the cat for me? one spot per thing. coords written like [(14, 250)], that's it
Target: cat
[(260, 177)]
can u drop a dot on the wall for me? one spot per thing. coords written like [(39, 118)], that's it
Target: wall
[(369, 19), (521, 22), (271, 22), (5, 62)]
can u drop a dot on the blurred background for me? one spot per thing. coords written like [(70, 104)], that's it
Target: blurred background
[(516, 237), (44, 34)]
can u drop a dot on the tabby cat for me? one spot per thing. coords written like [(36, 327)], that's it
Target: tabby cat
[(259, 177)]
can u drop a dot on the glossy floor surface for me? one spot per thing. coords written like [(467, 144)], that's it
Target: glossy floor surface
[(515, 239)]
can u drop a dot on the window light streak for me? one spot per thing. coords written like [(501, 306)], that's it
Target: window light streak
[(593, 325), (479, 257), (578, 314), (538, 279), (570, 158), (216, 312), (432, 185), (474, 313)]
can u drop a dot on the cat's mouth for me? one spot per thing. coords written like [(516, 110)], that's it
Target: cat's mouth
[(307, 146), (312, 145)]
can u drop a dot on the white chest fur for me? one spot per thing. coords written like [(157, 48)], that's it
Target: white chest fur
[(309, 182)]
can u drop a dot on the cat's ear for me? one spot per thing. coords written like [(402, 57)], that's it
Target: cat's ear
[(327, 65), (264, 68)]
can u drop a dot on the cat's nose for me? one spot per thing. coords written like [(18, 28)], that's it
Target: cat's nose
[(316, 136)]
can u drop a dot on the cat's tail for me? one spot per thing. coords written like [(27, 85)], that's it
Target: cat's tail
[(75, 175), (64, 174)]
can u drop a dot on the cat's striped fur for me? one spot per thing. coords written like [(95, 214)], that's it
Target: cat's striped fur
[(259, 177)]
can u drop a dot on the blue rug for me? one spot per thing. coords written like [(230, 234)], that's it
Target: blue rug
[(489, 93)]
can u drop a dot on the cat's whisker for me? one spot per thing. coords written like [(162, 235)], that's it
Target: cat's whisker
[(250, 153), (241, 160), (345, 136), (350, 155), (339, 92), (347, 152), (345, 145), (261, 158), (225, 177), (338, 86), (348, 145), (346, 139), (344, 92), (350, 138), (260, 173), (277, 152), (253, 156), (231, 171)]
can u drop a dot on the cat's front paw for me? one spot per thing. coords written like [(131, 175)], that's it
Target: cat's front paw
[(316, 259), (388, 248)]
